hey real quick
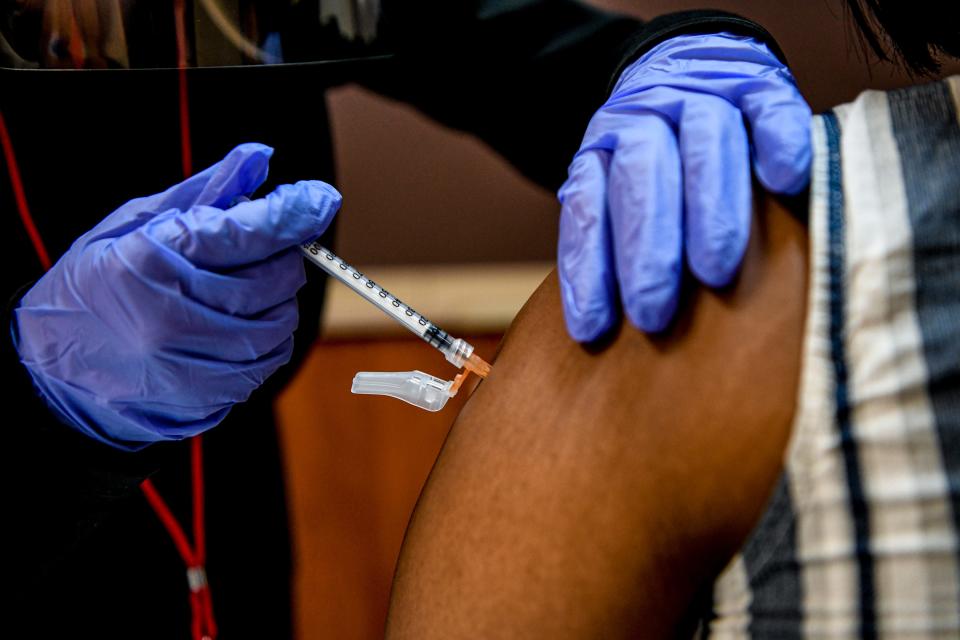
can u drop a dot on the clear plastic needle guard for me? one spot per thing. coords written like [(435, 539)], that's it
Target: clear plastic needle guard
[(417, 388)]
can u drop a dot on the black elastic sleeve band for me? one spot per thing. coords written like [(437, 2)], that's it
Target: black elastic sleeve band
[(691, 22)]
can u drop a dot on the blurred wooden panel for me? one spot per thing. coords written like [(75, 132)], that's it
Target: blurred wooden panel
[(355, 466)]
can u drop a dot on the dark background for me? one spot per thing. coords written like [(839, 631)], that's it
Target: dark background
[(418, 193)]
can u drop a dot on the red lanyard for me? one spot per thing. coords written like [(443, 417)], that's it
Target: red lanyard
[(194, 558), (203, 625), (21, 198)]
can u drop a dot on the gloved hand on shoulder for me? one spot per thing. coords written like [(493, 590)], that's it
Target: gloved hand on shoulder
[(663, 177), (175, 307)]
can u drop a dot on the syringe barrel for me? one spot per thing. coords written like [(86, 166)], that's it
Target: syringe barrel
[(366, 288), (437, 337), (456, 351)]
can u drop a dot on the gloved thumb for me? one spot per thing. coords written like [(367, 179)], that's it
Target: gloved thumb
[(241, 172), (212, 239)]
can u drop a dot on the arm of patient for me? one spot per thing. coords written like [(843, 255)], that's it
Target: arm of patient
[(596, 493)]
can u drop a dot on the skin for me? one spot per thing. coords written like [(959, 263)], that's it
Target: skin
[(596, 492)]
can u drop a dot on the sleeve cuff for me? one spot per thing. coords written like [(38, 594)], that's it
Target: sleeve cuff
[(690, 22)]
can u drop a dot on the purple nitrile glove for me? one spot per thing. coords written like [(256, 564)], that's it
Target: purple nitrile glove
[(175, 307), (663, 174)]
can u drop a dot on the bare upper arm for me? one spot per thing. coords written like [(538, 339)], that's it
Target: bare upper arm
[(593, 492)]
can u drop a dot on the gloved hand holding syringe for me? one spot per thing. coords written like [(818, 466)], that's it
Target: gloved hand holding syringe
[(415, 387)]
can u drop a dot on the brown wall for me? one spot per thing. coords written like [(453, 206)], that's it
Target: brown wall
[(404, 178)]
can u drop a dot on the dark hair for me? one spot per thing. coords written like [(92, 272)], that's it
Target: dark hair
[(911, 32)]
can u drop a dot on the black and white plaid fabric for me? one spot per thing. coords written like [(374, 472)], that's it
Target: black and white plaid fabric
[(861, 536)]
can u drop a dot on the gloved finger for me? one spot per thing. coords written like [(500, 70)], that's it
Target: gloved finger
[(250, 231), (646, 220), (151, 314), (166, 421), (780, 129), (245, 291), (175, 376), (252, 289), (584, 262), (716, 188), (232, 385), (211, 335), (241, 172), (176, 414)]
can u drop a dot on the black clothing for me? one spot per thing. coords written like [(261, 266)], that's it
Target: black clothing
[(83, 538), (85, 554)]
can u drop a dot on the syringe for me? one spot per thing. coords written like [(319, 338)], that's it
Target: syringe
[(457, 351)]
